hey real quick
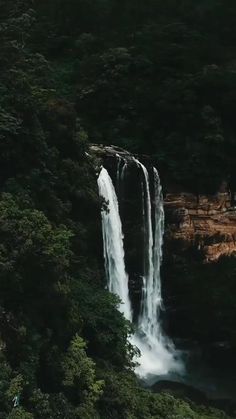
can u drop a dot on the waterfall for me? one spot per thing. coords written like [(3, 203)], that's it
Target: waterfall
[(158, 239), (147, 315), (118, 172), (151, 294), (158, 354), (113, 244), (120, 175)]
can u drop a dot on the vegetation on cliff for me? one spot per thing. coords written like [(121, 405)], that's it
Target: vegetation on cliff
[(74, 71)]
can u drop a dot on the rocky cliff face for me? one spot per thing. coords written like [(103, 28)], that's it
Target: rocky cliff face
[(199, 266), (198, 270), (205, 224)]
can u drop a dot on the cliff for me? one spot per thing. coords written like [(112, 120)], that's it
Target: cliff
[(198, 283), (207, 224), (203, 225)]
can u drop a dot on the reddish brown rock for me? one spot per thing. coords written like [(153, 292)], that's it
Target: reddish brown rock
[(205, 223)]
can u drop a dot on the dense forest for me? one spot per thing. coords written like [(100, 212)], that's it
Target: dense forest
[(153, 77)]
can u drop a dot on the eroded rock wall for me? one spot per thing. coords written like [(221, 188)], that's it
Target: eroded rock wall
[(198, 269), (207, 224)]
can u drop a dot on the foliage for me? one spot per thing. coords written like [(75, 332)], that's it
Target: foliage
[(73, 72), (155, 78), (79, 375)]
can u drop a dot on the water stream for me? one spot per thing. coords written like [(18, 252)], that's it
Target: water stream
[(113, 244), (158, 354)]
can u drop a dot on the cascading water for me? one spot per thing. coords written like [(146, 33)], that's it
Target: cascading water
[(146, 319), (149, 320), (113, 244), (158, 240), (120, 175), (158, 355), (157, 351)]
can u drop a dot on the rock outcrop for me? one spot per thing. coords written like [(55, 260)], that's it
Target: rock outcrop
[(110, 152), (206, 224), (198, 285)]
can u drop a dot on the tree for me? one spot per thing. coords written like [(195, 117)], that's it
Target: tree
[(80, 379)]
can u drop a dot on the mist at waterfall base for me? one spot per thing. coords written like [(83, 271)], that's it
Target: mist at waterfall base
[(158, 354)]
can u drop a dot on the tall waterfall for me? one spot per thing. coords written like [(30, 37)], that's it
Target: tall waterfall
[(157, 351), (158, 239), (158, 355), (113, 244), (148, 318)]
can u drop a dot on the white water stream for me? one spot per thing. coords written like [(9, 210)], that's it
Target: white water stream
[(113, 244), (158, 355)]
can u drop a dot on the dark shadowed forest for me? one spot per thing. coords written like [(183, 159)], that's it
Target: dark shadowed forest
[(156, 78)]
